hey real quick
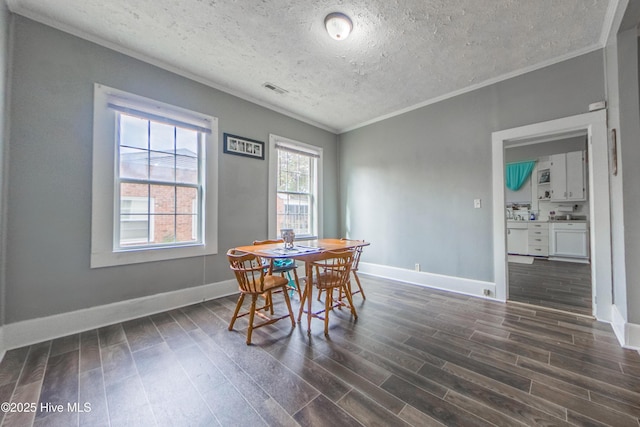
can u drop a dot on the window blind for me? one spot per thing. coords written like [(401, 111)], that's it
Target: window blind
[(297, 150), (170, 117)]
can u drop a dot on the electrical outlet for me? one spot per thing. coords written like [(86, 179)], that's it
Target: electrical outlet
[(477, 203), (486, 292), (417, 267)]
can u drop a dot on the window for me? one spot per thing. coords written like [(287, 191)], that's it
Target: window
[(295, 187), (159, 180), (154, 180)]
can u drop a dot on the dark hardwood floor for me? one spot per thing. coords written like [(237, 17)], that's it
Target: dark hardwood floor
[(415, 356), (553, 284)]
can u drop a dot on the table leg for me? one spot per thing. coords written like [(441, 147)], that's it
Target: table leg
[(305, 295), (309, 269)]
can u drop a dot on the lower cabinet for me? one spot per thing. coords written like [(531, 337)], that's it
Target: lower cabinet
[(517, 237), (538, 239), (569, 239)]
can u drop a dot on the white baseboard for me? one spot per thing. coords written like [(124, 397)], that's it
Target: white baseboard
[(448, 283), (618, 324), (569, 259), (633, 334), (19, 334), (2, 348), (628, 334)]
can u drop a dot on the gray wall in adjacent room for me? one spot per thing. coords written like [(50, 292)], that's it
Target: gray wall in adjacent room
[(533, 151), (408, 183), (49, 218)]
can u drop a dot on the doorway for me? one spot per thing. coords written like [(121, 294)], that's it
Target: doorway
[(536, 275), (594, 124)]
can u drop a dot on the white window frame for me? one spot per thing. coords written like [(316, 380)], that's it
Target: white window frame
[(316, 184), (104, 204)]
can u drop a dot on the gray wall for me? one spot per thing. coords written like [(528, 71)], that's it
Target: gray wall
[(49, 198), (622, 54), (408, 182), (629, 157), (4, 61)]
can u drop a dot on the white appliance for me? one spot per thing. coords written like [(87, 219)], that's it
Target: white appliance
[(569, 239)]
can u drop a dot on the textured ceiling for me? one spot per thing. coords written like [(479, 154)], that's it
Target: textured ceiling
[(401, 54)]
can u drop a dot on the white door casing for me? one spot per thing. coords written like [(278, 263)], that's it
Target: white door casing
[(595, 126)]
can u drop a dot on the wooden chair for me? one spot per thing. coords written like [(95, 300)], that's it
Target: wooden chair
[(330, 271), (354, 268), (283, 270), (254, 281)]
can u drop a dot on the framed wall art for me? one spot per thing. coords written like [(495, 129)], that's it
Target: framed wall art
[(240, 146)]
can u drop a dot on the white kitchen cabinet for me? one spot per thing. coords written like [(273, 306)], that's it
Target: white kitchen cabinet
[(517, 238), (558, 177), (538, 239), (568, 177), (569, 239), (576, 176)]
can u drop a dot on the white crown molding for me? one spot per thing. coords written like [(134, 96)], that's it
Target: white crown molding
[(480, 85), (15, 8), (612, 19)]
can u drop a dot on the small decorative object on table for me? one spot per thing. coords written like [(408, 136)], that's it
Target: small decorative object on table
[(288, 236)]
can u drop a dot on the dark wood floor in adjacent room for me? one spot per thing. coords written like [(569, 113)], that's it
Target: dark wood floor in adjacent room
[(553, 284), (415, 356)]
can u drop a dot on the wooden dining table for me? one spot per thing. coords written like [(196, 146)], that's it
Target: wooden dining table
[(305, 251)]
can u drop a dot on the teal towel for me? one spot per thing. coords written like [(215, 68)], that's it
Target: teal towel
[(518, 173)]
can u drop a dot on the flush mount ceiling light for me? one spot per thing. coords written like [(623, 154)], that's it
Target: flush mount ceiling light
[(338, 25)]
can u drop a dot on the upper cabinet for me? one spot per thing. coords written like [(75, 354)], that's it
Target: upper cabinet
[(568, 177)]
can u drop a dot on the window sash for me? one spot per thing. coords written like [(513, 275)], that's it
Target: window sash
[(315, 185), (302, 223), (173, 233)]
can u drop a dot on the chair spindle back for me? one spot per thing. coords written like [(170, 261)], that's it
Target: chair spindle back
[(332, 268), (249, 271)]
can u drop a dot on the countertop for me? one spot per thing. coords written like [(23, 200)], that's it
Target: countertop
[(545, 221)]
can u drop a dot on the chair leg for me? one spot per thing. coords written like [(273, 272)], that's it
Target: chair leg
[(359, 285), (268, 301), (309, 286), (328, 302), (235, 313), (288, 301), (305, 295), (252, 313), (295, 278), (341, 291), (350, 299), (271, 302)]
